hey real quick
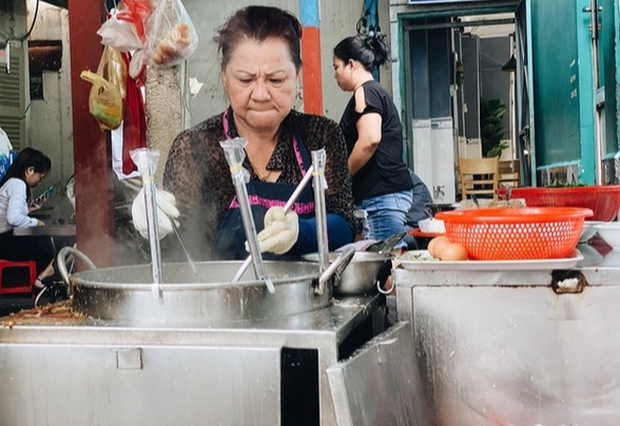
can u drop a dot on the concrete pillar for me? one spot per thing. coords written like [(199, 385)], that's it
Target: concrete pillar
[(163, 111)]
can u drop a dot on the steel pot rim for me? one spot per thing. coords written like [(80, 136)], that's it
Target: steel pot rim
[(82, 279)]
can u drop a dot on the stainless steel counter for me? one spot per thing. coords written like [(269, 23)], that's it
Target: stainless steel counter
[(52, 230), (517, 347), (76, 371)]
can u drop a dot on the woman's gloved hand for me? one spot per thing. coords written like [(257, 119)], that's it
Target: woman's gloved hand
[(280, 232), (166, 211)]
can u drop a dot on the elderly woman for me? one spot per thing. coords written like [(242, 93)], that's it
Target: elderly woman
[(260, 69)]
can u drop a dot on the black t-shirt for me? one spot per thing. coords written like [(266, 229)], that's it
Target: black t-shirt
[(385, 172)]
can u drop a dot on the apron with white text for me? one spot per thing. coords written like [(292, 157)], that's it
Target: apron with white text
[(231, 236)]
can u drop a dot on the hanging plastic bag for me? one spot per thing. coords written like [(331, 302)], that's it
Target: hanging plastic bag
[(171, 36), (125, 30), (119, 34), (7, 155), (134, 124), (107, 95)]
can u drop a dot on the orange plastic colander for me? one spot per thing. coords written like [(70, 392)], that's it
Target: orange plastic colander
[(516, 234)]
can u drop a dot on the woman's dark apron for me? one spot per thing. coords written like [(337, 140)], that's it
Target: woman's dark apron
[(230, 235)]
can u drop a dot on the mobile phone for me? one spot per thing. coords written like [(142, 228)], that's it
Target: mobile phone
[(44, 196)]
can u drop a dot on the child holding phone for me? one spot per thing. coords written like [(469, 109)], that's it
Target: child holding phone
[(41, 199), (26, 172)]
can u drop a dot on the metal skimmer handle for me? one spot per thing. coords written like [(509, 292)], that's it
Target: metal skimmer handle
[(320, 184), (235, 154), (146, 161)]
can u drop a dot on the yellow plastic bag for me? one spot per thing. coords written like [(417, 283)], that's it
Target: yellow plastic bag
[(107, 96)]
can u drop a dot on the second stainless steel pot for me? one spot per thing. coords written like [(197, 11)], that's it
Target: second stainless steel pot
[(361, 275)]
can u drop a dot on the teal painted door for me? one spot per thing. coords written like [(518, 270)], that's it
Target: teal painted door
[(565, 93), (562, 86), (609, 60)]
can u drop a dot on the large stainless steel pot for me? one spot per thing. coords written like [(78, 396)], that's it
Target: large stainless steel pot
[(208, 296)]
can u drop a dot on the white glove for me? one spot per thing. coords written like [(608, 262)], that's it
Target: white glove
[(166, 209), (280, 232)]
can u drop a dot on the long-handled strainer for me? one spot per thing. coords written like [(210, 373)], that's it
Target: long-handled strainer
[(319, 184), (235, 154), (146, 160)]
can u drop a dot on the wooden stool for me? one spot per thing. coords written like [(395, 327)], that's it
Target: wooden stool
[(17, 277)]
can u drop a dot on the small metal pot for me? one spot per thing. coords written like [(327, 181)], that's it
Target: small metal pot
[(362, 273)]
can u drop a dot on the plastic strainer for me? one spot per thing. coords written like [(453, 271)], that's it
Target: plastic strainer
[(516, 234)]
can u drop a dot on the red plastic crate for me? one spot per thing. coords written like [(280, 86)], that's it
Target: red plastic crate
[(603, 200), (17, 277)]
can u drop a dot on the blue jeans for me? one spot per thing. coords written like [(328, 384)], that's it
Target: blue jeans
[(387, 215)]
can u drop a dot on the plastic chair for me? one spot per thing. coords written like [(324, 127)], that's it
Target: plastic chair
[(17, 277), (479, 176)]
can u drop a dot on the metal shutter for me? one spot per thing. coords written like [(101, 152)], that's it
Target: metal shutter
[(13, 99)]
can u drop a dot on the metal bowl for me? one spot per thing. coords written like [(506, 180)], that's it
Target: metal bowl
[(361, 275), (610, 233)]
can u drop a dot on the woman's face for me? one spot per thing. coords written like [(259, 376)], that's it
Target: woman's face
[(261, 82), (342, 74), (33, 178)]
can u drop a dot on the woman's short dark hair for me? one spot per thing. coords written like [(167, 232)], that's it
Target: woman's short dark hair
[(27, 157), (259, 23), (371, 50)]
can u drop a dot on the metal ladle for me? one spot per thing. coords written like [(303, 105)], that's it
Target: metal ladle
[(146, 161), (319, 185), (235, 154)]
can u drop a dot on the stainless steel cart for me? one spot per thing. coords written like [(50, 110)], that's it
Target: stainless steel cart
[(244, 373), (516, 347)]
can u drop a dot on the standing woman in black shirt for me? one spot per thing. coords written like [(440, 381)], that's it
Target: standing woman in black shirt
[(373, 133)]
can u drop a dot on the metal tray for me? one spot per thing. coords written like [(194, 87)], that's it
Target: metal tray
[(422, 260)]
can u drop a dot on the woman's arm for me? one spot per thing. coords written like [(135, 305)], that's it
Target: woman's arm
[(368, 134), (17, 211), (182, 175), (338, 230)]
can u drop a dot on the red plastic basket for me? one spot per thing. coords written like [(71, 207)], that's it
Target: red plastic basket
[(603, 200), (516, 234)]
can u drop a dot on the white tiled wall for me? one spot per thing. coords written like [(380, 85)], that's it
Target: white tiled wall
[(469, 148), (422, 155), (433, 151)]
